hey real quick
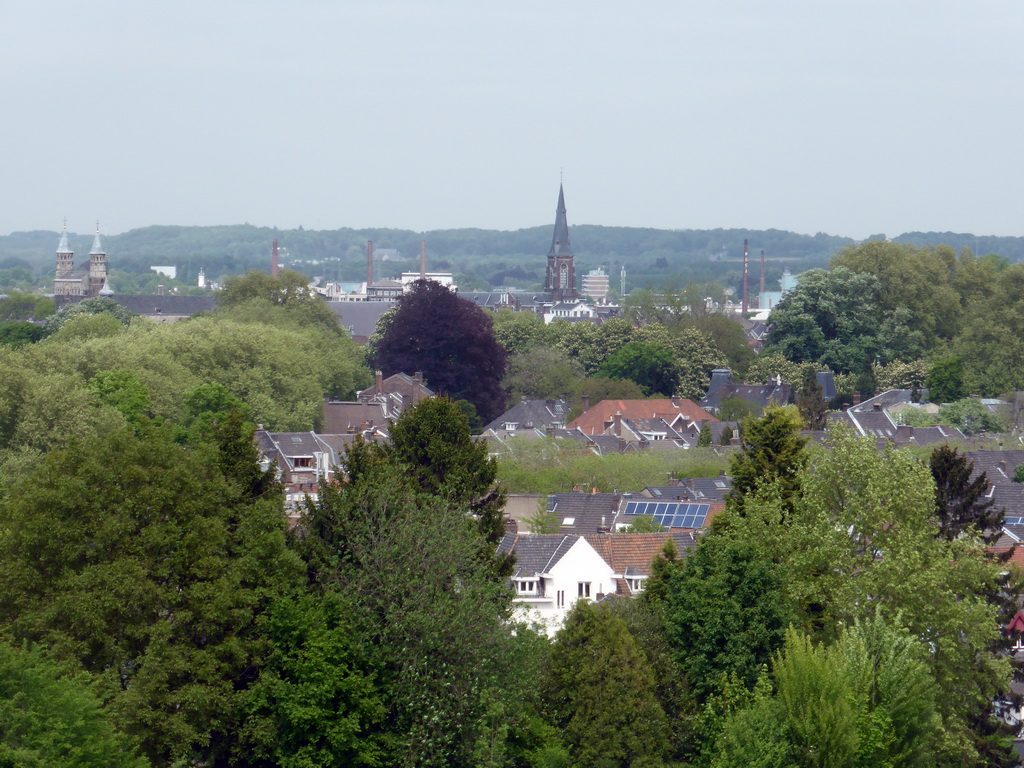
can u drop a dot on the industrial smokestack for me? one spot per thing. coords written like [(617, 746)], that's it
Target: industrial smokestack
[(762, 281), (745, 260), (369, 263), (273, 258), (423, 259)]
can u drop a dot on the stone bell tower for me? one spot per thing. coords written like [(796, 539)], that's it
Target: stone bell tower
[(560, 279)]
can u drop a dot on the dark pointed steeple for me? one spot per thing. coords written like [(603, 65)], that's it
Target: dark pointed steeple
[(560, 239), (561, 273)]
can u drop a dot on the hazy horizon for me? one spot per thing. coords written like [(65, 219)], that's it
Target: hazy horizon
[(850, 120)]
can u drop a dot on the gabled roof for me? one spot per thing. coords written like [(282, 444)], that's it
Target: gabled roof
[(397, 383), (624, 551), (1010, 498), (594, 421), (536, 554), (758, 395), (580, 512), (530, 414), (998, 466)]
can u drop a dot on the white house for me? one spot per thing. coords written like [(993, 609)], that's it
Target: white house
[(576, 310), (554, 571)]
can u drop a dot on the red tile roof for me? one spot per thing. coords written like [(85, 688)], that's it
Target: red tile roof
[(593, 421)]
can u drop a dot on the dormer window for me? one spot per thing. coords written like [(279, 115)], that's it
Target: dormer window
[(635, 583), (635, 579), (511, 425), (526, 586)]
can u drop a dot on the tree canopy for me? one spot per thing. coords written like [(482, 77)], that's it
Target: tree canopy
[(451, 341)]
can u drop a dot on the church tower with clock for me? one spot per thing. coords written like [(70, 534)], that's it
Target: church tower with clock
[(560, 280)]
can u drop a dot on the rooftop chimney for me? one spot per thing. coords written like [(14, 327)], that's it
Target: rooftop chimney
[(745, 259), (369, 263), (762, 281)]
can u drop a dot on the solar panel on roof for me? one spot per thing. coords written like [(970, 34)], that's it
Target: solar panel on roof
[(672, 515)]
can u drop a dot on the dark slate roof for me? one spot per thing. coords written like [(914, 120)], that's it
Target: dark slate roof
[(535, 553), (758, 395), (297, 443), (588, 512), (887, 399), (499, 298), (935, 435), (605, 444), (693, 488), (360, 317), (531, 414), (168, 304), (868, 420), (560, 237), (1010, 498), (998, 466)]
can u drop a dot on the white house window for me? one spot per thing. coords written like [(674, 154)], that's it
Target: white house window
[(526, 586), (1018, 643), (635, 583), (583, 589), (511, 425), (560, 601)]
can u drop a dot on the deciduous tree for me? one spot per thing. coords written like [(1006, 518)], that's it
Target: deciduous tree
[(452, 342)]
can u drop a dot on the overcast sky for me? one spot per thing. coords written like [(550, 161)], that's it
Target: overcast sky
[(851, 118)]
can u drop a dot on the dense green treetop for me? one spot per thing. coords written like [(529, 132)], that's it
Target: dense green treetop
[(600, 690), (146, 563), (541, 373), (51, 718), (773, 452)]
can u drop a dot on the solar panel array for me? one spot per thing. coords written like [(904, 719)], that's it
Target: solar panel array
[(671, 514)]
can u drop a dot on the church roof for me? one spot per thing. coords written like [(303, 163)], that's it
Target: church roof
[(63, 246), (560, 239), (97, 248)]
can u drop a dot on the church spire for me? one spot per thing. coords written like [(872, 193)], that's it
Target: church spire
[(561, 273), (65, 256), (97, 265), (97, 248), (560, 239)]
